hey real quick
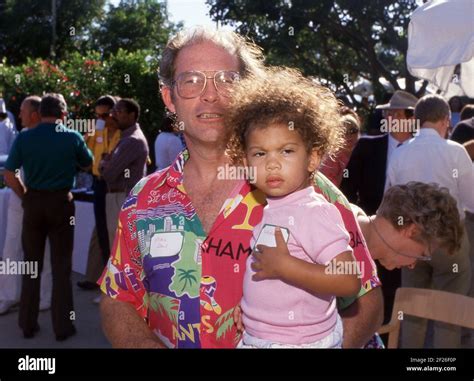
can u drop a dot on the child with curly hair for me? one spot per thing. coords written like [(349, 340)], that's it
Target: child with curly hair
[(283, 125)]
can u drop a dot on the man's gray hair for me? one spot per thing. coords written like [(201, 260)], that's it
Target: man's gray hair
[(431, 108), (34, 102), (53, 105), (250, 55)]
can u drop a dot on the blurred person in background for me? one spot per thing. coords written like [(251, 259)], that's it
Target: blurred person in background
[(10, 285), (50, 155), (333, 168), (464, 130), (102, 142), (430, 158), (168, 145)]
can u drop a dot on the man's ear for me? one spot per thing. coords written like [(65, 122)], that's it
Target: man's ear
[(167, 96), (314, 160), (410, 231)]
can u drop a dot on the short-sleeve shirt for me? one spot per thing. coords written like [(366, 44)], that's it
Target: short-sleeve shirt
[(99, 145), (277, 311), (50, 155), (184, 284)]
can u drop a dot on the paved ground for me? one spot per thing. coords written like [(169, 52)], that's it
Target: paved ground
[(89, 333)]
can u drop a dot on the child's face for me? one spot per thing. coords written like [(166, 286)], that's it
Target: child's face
[(280, 158)]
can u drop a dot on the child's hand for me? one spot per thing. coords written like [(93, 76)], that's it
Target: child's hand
[(270, 262)]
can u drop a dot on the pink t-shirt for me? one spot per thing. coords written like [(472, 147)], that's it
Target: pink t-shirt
[(273, 310)]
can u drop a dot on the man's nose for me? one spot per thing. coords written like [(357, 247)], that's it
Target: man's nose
[(210, 93)]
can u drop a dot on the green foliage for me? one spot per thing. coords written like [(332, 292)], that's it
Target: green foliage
[(336, 40), (132, 26), (97, 52), (26, 27), (82, 79)]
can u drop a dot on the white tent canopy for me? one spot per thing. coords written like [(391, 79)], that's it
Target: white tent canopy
[(441, 36)]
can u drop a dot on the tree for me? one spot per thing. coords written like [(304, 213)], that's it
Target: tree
[(339, 41), (26, 27), (131, 26), (82, 79)]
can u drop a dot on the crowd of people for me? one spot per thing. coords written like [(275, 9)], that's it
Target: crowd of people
[(308, 252)]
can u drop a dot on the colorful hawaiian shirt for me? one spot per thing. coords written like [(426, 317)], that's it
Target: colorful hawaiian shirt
[(185, 284)]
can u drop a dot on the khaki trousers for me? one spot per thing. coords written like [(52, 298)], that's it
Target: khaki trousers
[(113, 205), (95, 262)]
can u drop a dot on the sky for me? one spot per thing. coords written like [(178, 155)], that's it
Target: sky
[(192, 12)]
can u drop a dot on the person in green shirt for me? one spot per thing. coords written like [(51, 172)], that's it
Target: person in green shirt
[(50, 156)]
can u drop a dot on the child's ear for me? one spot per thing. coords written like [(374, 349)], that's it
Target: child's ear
[(314, 160)]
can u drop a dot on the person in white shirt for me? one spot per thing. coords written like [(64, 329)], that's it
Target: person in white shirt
[(365, 175), (8, 131), (168, 145), (430, 158), (10, 285)]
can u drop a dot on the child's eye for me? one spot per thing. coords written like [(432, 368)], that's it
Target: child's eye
[(258, 154), (288, 151)]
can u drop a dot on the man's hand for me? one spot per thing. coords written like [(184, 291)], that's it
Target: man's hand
[(270, 262), (13, 180), (238, 318)]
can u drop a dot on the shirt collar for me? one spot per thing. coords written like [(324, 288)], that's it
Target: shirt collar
[(174, 176), (392, 141), (130, 130), (290, 199), (428, 132)]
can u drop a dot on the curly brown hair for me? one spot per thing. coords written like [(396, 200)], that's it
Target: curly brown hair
[(284, 96), (430, 207)]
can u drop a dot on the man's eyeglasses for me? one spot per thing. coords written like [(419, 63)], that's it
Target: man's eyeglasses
[(424, 258), (191, 84)]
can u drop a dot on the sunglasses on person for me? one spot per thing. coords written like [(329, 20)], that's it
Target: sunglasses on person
[(191, 84), (103, 115)]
